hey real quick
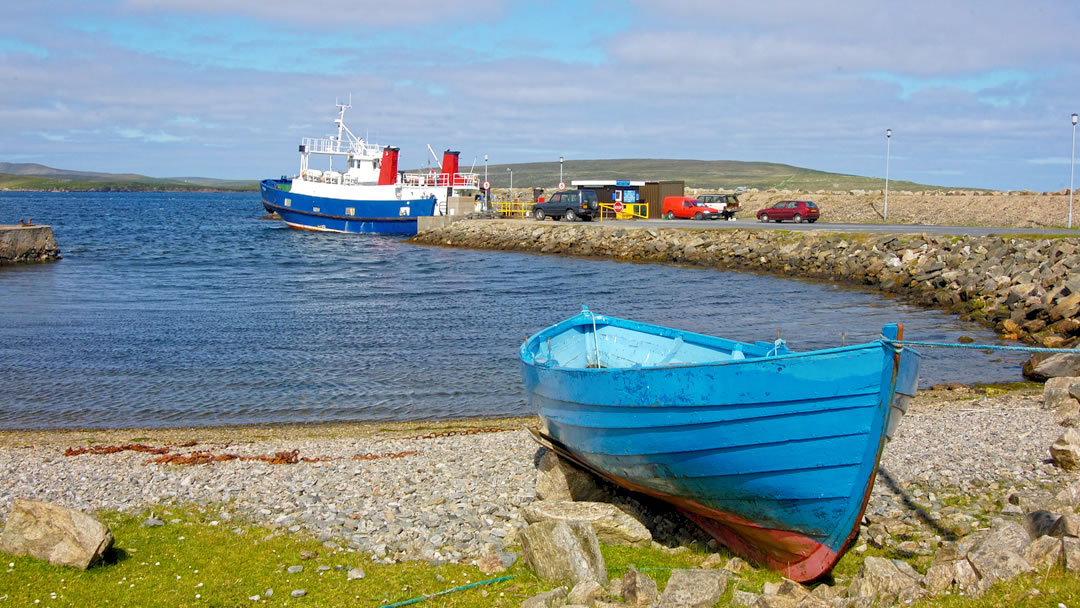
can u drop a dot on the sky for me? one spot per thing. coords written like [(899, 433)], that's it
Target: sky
[(977, 94)]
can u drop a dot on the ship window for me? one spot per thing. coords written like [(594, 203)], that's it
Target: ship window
[(288, 202), (315, 209), (350, 210)]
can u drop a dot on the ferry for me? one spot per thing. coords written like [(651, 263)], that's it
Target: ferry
[(367, 194)]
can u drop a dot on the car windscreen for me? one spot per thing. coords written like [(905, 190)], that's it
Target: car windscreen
[(811, 205), (588, 196)]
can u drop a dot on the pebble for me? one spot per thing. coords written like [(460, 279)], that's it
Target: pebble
[(295, 569), (298, 592), (460, 497)]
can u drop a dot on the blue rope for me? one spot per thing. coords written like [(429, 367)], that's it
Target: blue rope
[(1030, 349), (416, 600)]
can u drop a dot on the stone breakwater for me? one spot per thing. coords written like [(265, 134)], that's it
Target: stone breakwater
[(1027, 288), (20, 244)]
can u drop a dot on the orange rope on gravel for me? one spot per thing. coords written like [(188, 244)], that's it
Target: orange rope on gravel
[(113, 449)]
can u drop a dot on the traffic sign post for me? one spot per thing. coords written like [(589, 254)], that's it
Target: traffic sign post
[(562, 185), (487, 185), (618, 207)]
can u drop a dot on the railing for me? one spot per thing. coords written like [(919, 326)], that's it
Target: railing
[(443, 180), (333, 145), (629, 210), (512, 208)]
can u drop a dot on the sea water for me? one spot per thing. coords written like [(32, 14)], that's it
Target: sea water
[(188, 310)]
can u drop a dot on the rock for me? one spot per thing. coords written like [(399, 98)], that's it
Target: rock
[(997, 556), (550, 599), (1056, 365), (490, 563), (638, 589), (585, 592), (1066, 525), (308, 554), (558, 479), (1066, 450), (1070, 549), (355, 574), (884, 580), (612, 526), (1044, 553), (564, 551), (1057, 396), (744, 599), (737, 565), (153, 522), (62, 536), (298, 592), (693, 589), (294, 569)]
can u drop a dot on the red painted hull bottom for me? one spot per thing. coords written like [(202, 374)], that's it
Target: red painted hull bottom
[(797, 557)]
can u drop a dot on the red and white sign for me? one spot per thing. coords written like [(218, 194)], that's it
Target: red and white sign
[(618, 207), (562, 185), (487, 185)]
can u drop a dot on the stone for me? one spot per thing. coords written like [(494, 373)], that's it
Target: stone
[(939, 577), (564, 551), (295, 569), (997, 556), (1056, 365), (556, 598), (744, 599), (737, 565), (490, 563), (638, 589), (1066, 450), (62, 536), (585, 592), (153, 522), (355, 574), (1070, 551), (1043, 553), (298, 592), (557, 479), (885, 580), (693, 589), (612, 525), (1056, 393), (1066, 525)]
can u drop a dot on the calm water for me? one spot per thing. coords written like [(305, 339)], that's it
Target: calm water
[(185, 309)]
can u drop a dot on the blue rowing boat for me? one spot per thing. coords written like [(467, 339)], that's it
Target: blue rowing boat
[(772, 452)]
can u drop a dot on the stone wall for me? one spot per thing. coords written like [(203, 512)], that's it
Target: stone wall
[(1026, 288), (20, 244)]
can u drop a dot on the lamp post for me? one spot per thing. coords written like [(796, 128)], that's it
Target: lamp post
[(1072, 167), (888, 148), (560, 170), (487, 191), (511, 183)]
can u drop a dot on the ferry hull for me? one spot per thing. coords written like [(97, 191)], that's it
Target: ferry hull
[(305, 212)]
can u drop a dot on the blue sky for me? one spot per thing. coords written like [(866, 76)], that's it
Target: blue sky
[(977, 94)]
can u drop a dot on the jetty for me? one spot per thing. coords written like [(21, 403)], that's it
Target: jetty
[(22, 243)]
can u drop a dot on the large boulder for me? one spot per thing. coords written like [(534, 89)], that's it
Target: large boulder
[(63, 536), (886, 581), (997, 557), (1066, 450), (1060, 394), (694, 589), (1041, 367), (564, 551), (557, 479), (612, 526)]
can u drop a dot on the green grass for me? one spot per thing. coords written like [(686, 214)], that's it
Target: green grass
[(195, 563)]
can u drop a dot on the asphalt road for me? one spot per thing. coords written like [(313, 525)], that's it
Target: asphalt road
[(828, 226)]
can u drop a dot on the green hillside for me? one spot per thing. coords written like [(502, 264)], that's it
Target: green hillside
[(141, 184)]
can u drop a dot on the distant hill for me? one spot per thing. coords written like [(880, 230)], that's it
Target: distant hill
[(32, 176), (715, 174)]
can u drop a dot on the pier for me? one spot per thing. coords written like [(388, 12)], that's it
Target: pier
[(25, 244)]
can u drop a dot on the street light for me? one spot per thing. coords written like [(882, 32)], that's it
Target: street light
[(511, 183), (1072, 167), (560, 171), (888, 146), (487, 191)]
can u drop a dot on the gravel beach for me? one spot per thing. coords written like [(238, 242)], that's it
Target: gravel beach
[(454, 491)]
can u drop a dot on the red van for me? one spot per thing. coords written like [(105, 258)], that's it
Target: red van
[(687, 207)]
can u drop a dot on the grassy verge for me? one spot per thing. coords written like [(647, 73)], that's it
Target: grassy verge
[(199, 559)]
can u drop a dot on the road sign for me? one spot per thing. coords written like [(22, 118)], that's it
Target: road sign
[(562, 185), (487, 185), (617, 207)]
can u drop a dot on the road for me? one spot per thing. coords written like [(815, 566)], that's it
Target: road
[(833, 227)]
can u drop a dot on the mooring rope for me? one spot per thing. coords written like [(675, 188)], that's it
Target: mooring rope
[(417, 600), (1030, 349)]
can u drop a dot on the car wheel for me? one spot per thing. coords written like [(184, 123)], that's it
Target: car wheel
[(698, 216), (812, 221), (797, 218), (569, 215), (539, 215), (670, 215), (764, 217)]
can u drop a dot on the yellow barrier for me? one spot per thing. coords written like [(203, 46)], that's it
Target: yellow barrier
[(630, 210), (512, 208)]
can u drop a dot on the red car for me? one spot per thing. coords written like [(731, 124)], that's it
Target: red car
[(687, 207), (796, 211)]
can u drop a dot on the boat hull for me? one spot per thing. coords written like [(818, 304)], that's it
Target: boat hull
[(305, 212), (774, 455)]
